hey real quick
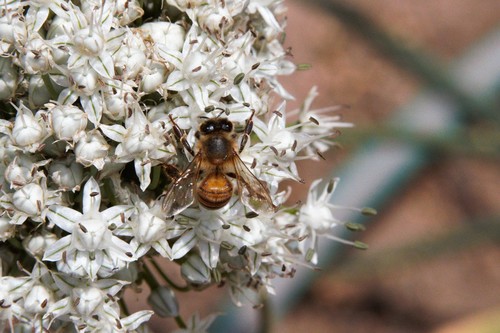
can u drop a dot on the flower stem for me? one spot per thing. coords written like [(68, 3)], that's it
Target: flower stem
[(50, 87), (166, 278), (149, 277), (180, 322), (123, 306)]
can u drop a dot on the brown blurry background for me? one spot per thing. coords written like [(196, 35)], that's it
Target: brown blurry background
[(434, 263), (429, 267)]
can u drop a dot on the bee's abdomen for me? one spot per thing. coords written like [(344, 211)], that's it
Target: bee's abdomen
[(214, 191)]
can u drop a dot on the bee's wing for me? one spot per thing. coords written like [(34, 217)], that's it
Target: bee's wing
[(252, 192), (180, 195)]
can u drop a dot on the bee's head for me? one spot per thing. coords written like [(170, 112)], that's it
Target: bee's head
[(216, 125)]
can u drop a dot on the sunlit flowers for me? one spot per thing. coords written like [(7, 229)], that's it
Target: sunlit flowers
[(90, 244), (100, 103)]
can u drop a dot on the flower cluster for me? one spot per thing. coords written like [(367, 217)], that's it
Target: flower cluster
[(99, 102)]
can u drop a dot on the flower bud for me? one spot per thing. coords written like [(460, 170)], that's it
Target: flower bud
[(89, 42), (87, 300), (85, 81), (164, 302), (170, 35), (27, 130), (91, 150), (37, 243), (19, 171), (195, 271), (66, 174), (130, 61), (12, 31), (152, 79), (36, 58), (67, 121), (38, 299), (29, 199)]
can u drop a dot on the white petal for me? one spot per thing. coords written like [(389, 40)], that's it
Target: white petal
[(67, 97), (163, 248), (115, 214), (59, 308), (64, 217), (173, 57), (185, 243), (91, 196), (143, 172), (103, 65), (136, 319), (55, 251), (114, 132), (119, 249), (92, 105), (110, 286), (209, 253)]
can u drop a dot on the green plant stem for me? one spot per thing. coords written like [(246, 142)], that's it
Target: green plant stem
[(166, 278), (180, 322), (265, 324), (149, 277), (50, 87), (123, 307)]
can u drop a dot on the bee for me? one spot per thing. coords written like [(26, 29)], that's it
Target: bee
[(208, 177)]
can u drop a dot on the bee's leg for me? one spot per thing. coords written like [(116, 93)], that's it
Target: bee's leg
[(247, 132), (180, 136)]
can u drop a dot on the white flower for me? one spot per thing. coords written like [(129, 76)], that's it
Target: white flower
[(92, 149), (93, 305), (23, 170), (29, 201), (28, 132), (316, 218), (90, 243), (12, 289), (67, 174), (37, 56), (149, 231), (67, 121), (141, 141), (107, 90), (12, 30)]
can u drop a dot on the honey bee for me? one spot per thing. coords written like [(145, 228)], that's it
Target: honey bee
[(207, 178)]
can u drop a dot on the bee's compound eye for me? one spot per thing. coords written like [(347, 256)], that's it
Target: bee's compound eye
[(227, 126), (208, 127)]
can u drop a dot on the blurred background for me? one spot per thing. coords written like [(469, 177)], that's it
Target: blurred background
[(433, 263)]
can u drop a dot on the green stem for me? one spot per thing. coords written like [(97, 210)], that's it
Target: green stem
[(149, 277), (166, 278), (123, 307), (180, 322), (265, 325), (50, 87)]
